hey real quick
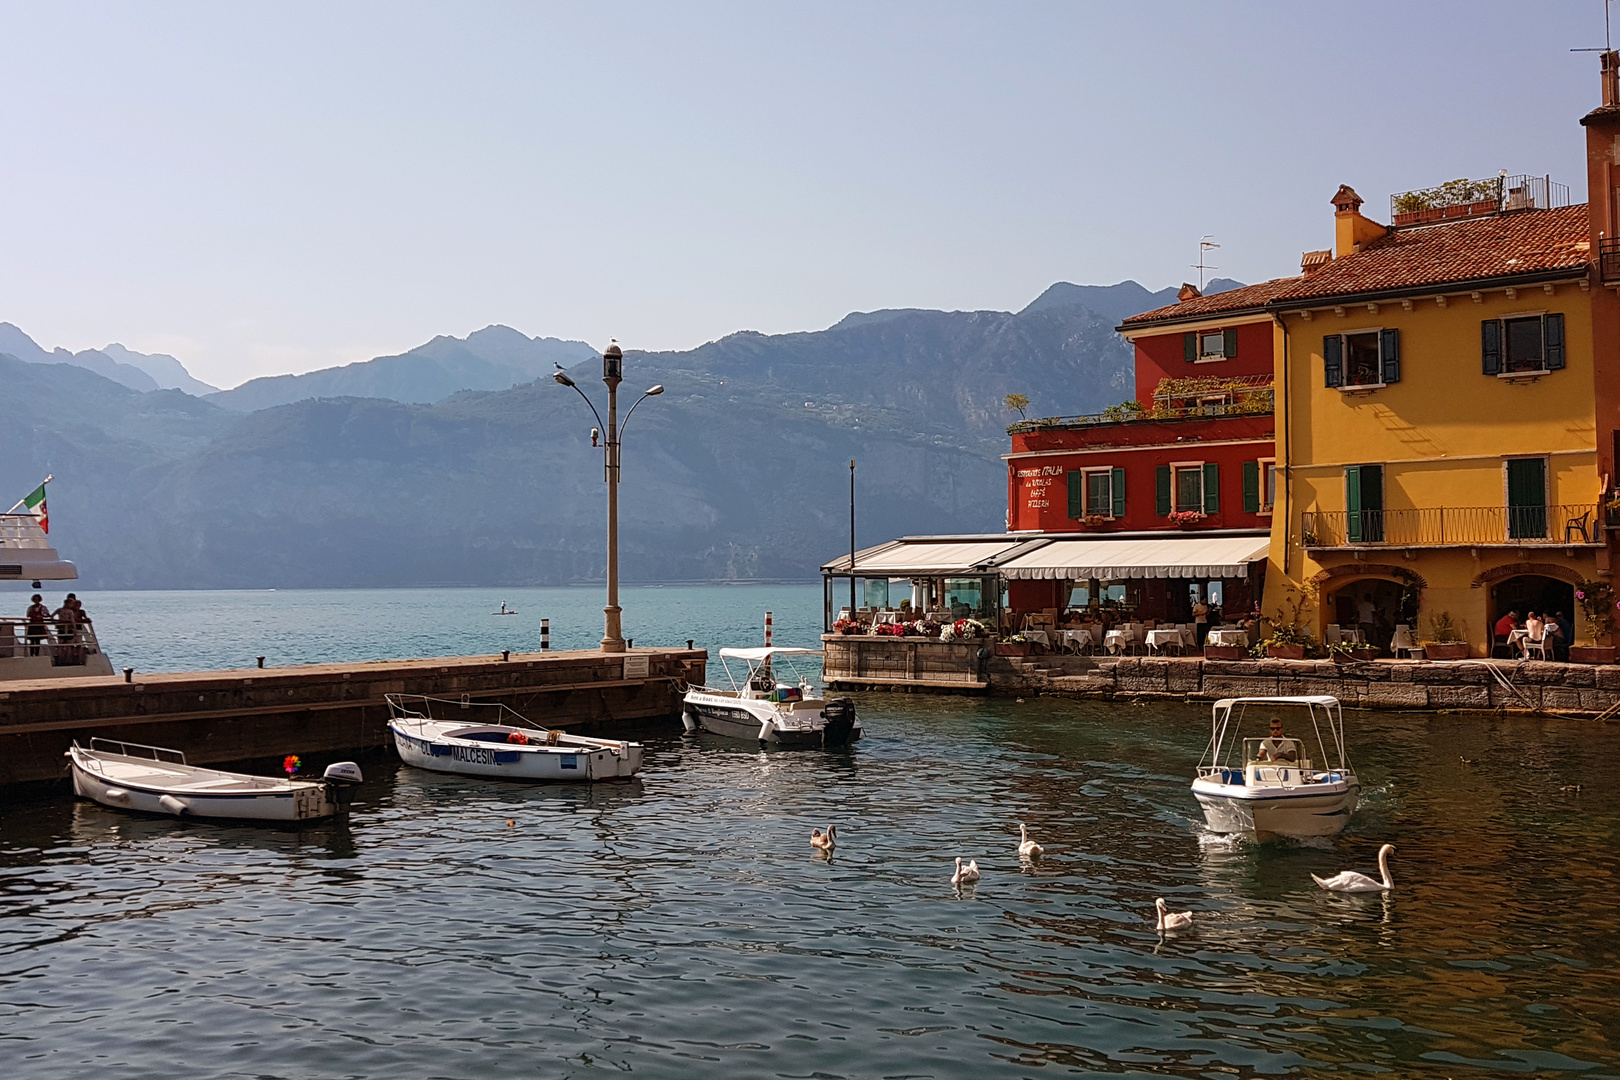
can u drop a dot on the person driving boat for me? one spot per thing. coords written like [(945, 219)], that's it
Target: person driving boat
[(1277, 746)]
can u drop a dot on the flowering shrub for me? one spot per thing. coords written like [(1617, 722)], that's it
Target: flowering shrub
[(1596, 598), (1185, 517), (963, 629), (847, 626), (892, 629)]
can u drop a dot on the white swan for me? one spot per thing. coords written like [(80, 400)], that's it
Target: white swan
[(1027, 848), (1171, 920), (965, 875), (826, 841), (1350, 881)]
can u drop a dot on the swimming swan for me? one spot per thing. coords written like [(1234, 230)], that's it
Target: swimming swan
[(1171, 920), (965, 875), (1027, 848), (826, 841), (1350, 881)]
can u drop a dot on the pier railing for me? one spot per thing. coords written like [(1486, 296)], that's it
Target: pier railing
[(1452, 526)]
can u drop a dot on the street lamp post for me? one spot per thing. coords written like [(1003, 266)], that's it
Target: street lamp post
[(613, 375)]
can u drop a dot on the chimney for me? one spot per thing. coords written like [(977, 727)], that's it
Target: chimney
[(1187, 292), (1352, 232), (1312, 261), (1611, 77)]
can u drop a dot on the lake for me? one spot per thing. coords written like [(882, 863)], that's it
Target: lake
[(681, 925)]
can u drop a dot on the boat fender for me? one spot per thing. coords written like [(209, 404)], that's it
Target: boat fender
[(116, 794), (688, 721), (765, 730), (172, 805)]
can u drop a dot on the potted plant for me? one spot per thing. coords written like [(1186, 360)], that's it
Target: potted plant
[(847, 626), (1445, 640), (1597, 604), (1182, 519), (1017, 645), (1094, 519), (1289, 639)]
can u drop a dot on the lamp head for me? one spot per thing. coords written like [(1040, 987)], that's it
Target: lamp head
[(560, 376), (612, 363), (655, 391)]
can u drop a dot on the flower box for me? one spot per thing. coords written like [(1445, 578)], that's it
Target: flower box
[(1363, 655), (1225, 652), (1285, 652), (1591, 654), (1013, 648), (1451, 650)]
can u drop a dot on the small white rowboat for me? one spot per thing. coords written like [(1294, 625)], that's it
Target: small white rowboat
[(488, 739), (133, 776)]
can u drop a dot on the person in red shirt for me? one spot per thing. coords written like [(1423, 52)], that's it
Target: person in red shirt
[(1506, 625)]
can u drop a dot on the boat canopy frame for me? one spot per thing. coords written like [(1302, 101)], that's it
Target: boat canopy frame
[(1321, 708), (756, 659)]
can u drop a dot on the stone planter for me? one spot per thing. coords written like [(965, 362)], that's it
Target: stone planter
[(1591, 654), (1450, 651), (1285, 652), (1013, 648), (1355, 656), (1225, 652)]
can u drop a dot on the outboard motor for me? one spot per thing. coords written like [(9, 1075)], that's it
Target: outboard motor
[(342, 779), (838, 720)]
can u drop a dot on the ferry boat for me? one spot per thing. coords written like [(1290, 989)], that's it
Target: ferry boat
[(26, 555), (1271, 787), (789, 714), (156, 780), (488, 739)]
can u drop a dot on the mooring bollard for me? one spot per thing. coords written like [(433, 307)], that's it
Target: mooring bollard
[(689, 644), (261, 661), (545, 635), (129, 674), (506, 654)]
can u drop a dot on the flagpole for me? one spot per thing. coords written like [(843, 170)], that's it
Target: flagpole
[(24, 499)]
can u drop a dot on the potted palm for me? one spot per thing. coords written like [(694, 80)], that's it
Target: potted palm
[(1445, 640)]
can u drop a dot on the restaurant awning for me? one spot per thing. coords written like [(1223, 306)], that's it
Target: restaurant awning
[(1114, 559), (928, 556)]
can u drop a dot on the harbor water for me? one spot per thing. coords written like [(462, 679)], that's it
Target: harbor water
[(681, 925)]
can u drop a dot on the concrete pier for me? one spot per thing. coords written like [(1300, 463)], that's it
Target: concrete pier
[(216, 716)]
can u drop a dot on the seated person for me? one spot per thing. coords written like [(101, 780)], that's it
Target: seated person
[(1507, 624), (1277, 746)]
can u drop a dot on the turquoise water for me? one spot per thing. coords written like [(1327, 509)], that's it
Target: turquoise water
[(682, 926)]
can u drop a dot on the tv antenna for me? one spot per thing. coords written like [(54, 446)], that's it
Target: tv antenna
[(1607, 47), (1206, 244)]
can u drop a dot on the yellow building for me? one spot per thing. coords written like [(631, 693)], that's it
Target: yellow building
[(1436, 420)]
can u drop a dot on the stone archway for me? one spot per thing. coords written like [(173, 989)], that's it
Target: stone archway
[(1525, 569), (1376, 597)]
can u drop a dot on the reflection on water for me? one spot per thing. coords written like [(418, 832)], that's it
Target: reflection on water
[(682, 924)]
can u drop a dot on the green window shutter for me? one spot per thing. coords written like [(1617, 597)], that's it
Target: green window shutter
[(1229, 342), (1333, 360), (1251, 487), (1490, 346), (1162, 481), (1527, 498), (1212, 488), (1552, 341), (1189, 346), (1077, 494), (1117, 489), (1352, 502), (1389, 354)]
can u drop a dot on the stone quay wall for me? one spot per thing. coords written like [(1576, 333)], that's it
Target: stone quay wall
[(1528, 686)]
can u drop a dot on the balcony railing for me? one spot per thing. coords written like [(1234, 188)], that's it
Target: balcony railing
[(1473, 198), (1609, 259), (1258, 402), (1450, 526)]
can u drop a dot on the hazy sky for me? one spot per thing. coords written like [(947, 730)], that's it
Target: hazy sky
[(262, 188)]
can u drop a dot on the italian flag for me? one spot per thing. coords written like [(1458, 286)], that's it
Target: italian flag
[(34, 503)]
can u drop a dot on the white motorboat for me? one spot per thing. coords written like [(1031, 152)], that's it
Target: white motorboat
[(133, 776), (761, 708), (488, 739), (1269, 787)]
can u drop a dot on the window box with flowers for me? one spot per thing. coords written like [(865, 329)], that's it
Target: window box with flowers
[(848, 626), (1017, 645), (1185, 519)]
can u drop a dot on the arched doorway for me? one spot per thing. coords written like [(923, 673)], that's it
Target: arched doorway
[(1375, 605), (1525, 593)]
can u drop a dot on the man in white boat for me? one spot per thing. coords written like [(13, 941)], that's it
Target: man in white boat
[(1277, 746)]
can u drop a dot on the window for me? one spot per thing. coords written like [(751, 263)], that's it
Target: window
[(1364, 499), (1209, 345), (1259, 486), (1268, 488), (1522, 345), (1189, 487), (1362, 358), (1096, 493), (1527, 498)]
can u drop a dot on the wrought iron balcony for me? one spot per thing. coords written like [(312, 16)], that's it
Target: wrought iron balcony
[(1453, 526), (1609, 260)]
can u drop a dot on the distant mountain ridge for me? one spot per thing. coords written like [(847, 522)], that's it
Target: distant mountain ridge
[(138, 371), (1119, 301)]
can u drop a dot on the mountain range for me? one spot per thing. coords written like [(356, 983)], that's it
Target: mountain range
[(458, 462)]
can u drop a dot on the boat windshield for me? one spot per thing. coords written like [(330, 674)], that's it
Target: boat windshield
[(765, 667), (1302, 731)]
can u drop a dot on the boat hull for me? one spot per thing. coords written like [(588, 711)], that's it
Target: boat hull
[(428, 747), (296, 800), (757, 721), (1267, 813)]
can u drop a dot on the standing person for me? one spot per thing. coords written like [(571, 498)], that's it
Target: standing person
[(1368, 615), (67, 621), (37, 616), (1201, 621)]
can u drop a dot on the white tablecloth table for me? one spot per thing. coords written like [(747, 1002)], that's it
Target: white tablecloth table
[(1228, 637), (1039, 635), (1117, 640), (1354, 634), (1158, 639), (1516, 640), (1076, 639)]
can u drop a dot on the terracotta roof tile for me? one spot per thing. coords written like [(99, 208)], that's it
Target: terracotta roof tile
[(1416, 257)]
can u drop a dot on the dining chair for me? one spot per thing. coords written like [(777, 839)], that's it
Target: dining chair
[(1535, 645)]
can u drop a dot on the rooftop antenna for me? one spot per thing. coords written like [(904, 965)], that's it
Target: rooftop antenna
[(1206, 244), (1606, 45)]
